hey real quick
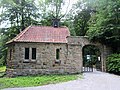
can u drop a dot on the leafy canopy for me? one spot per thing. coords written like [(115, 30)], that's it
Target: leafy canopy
[(104, 25)]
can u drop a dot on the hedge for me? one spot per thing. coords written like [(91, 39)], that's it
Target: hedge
[(113, 63)]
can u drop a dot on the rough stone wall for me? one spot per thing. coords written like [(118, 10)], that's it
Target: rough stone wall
[(10, 60), (82, 41), (106, 51), (75, 53), (75, 58), (45, 62)]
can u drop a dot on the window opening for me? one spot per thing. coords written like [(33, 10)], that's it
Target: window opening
[(26, 53), (33, 53), (57, 53)]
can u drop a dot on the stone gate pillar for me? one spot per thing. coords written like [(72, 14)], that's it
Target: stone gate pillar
[(75, 54), (105, 52)]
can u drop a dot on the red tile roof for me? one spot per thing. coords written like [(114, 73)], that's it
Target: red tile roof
[(42, 34)]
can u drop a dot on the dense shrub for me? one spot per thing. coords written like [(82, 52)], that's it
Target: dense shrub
[(113, 63), (2, 61)]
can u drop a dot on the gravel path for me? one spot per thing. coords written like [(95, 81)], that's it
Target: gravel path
[(91, 81)]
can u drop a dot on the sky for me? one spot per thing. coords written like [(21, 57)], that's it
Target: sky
[(70, 4), (64, 10)]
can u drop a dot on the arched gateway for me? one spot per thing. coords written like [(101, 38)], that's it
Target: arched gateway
[(46, 50), (82, 41)]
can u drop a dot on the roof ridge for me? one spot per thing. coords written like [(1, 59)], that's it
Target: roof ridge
[(50, 26)]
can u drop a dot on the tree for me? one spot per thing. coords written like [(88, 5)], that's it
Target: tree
[(104, 26), (79, 15), (113, 63), (52, 9), (18, 14), (80, 22)]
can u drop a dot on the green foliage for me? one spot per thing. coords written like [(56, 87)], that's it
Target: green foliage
[(91, 50), (2, 68), (80, 22), (52, 7), (104, 26), (79, 16), (18, 14), (2, 61), (3, 49), (113, 63), (26, 81), (94, 53)]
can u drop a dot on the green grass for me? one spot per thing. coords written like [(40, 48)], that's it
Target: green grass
[(25, 81), (28, 81)]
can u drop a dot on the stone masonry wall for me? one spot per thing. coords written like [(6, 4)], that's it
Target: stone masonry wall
[(75, 58), (70, 60), (10, 60), (45, 62), (81, 41)]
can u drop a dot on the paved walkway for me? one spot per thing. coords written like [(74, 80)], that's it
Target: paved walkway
[(91, 81)]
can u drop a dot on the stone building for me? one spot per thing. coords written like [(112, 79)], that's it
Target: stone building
[(46, 50)]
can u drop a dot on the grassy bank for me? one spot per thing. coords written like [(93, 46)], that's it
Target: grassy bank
[(27, 81)]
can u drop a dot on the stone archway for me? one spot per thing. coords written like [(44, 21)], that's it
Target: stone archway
[(79, 42), (91, 58)]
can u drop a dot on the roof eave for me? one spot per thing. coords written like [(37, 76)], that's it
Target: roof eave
[(35, 42)]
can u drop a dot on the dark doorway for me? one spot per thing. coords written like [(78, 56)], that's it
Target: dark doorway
[(91, 58)]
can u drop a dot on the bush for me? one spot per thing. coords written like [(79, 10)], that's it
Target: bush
[(113, 63), (2, 61)]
